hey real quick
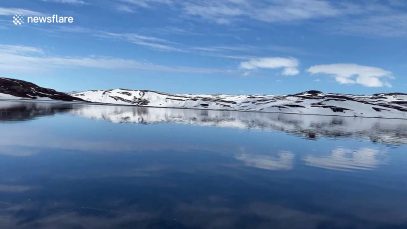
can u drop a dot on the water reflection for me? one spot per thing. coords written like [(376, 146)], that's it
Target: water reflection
[(66, 171), (20, 111), (283, 160), (348, 160), (389, 131)]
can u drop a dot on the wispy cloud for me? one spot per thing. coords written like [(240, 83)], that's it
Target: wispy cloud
[(292, 10), (125, 8), (19, 49), (354, 74), (130, 6), (146, 3), (72, 2), (15, 58), (226, 11), (237, 51), (289, 65), (372, 18), (231, 51), (384, 25), (224, 48), (214, 11), (13, 11), (133, 38), (271, 11), (157, 40), (149, 41), (385, 18)]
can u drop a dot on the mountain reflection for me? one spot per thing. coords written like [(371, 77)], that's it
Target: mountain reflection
[(388, 131), (21, 111)]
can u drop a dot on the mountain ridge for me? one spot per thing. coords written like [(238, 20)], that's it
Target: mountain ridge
[(315, 102), (384, 105)]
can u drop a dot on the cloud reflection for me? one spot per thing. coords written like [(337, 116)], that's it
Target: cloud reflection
[(347, 159), (283, 161)]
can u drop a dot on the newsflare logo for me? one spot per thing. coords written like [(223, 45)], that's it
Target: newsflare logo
[(54, 19), (18, 19)]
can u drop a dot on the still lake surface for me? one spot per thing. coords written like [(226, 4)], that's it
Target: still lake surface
[(93, 166)]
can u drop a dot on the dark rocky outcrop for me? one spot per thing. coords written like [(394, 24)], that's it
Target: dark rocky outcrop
[(27, 90)]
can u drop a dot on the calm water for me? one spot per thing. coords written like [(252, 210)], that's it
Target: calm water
[(81, 166)]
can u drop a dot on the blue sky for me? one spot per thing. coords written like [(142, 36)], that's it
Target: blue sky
[(212, 46)]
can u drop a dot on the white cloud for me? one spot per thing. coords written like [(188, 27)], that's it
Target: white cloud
[(72, 2), (354, 74), (289, 65), (13, 11), (15, 58)]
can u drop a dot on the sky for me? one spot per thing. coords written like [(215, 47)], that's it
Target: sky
[(208, 46)]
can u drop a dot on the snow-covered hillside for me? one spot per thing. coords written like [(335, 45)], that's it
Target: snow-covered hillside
[(392, 105)]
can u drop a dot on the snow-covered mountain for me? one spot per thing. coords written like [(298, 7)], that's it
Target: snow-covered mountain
[(392, 105), (20, 89)]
